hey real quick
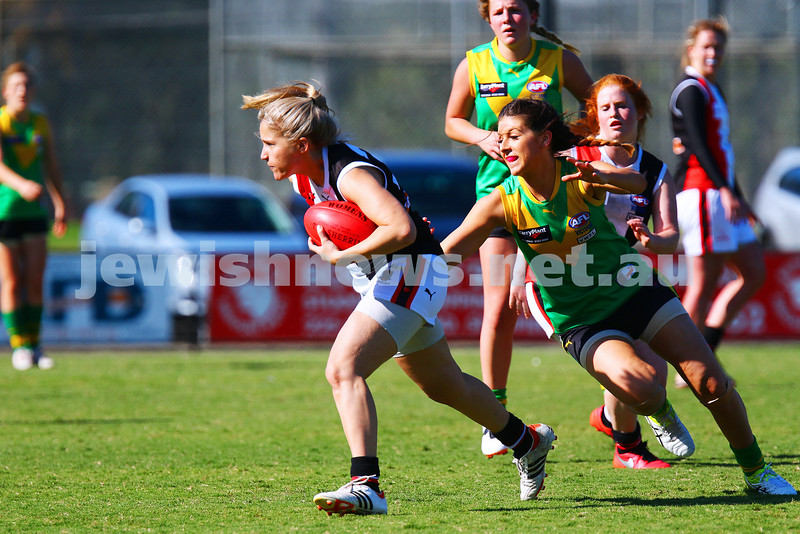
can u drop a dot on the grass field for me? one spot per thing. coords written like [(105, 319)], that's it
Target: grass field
[(69, 243), (240, 441)]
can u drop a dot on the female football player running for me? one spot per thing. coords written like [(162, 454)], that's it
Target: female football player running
[(617, 110), (512, 65), (402, 281), (596, 290)]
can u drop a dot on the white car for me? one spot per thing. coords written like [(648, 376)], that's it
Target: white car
[(171, 226), (777, 201)]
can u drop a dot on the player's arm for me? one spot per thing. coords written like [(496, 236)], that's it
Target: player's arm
[(55, 187), (600, 177), (517, 296), (460, 106), (691, 103), (665, 236), (395, 229), (486, 215), (28, 189), (576, 79)]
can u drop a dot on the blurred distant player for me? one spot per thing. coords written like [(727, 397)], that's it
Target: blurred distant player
[(28, 165), (714, 218)]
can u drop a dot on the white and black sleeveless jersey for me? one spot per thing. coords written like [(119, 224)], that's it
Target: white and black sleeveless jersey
[(622, 207), (339, 158)]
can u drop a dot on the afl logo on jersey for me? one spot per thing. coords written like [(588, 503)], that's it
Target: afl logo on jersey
[(579, 221), (640, 201), (485, 90), (537, 86)]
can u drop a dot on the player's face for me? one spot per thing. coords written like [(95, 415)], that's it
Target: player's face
[(617, 115), (17, 92), (523, 149), (510, 21), (706, 53), (281, 155)]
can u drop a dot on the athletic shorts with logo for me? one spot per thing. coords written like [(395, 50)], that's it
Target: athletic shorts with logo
[(704, 227), (404, 296)]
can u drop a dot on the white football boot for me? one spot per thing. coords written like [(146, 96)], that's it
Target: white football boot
[(531, 466), (22, 358), (490, 445), (355, 497)]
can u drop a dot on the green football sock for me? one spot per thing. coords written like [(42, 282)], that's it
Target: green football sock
[(500, 395), (32, 324), (14, 326), (750, 458)]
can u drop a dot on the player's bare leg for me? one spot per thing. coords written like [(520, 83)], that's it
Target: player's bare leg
[(361, 346), (497, 328), (748, 264)]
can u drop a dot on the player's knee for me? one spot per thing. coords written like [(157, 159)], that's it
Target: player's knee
[(649, 401), (715, 391), (337, 374)]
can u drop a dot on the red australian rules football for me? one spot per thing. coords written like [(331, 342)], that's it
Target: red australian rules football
[(344, 222)]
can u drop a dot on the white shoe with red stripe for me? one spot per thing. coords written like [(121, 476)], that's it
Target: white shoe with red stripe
[(531, 466), (355, 497)]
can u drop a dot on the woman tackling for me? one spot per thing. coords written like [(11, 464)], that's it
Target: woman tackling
[(597, 291)]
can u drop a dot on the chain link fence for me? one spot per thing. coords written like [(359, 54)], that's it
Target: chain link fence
[(141, 86)]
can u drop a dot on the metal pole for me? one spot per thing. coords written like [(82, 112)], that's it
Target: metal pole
[(216, 87)]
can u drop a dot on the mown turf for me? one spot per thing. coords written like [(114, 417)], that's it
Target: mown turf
[(241, 440)]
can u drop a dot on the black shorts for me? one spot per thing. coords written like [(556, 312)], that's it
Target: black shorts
[(17, 229), (500, 231), (639, 317)]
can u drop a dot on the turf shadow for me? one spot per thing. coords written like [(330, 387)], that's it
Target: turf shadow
[(106, 421)]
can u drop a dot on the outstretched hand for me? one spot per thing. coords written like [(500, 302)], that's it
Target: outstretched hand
[(586, 172)]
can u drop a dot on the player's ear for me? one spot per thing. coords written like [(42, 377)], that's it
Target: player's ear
[(546, 137), (303, 144)]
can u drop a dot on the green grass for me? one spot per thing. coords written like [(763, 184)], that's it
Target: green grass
[(240, 441), (69, 243)]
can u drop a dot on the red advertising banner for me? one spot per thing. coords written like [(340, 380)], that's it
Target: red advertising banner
[(260, 310)]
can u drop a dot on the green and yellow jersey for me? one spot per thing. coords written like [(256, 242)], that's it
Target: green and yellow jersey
[(584, 268), (494, 82), (24, 145)]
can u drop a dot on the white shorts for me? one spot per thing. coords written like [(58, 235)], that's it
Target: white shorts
[(405, 299), (411, 333), (704, 227), (537, 310)]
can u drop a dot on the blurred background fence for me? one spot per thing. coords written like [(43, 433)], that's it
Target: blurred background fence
[(140, 86)]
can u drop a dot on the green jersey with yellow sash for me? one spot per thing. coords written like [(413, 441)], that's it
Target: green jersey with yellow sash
[(24, 146), (584, 268), (494, 82)]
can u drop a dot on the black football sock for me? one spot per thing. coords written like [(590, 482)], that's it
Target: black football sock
[(366, 466), (713, 336), (516, 436), (627, 440)]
